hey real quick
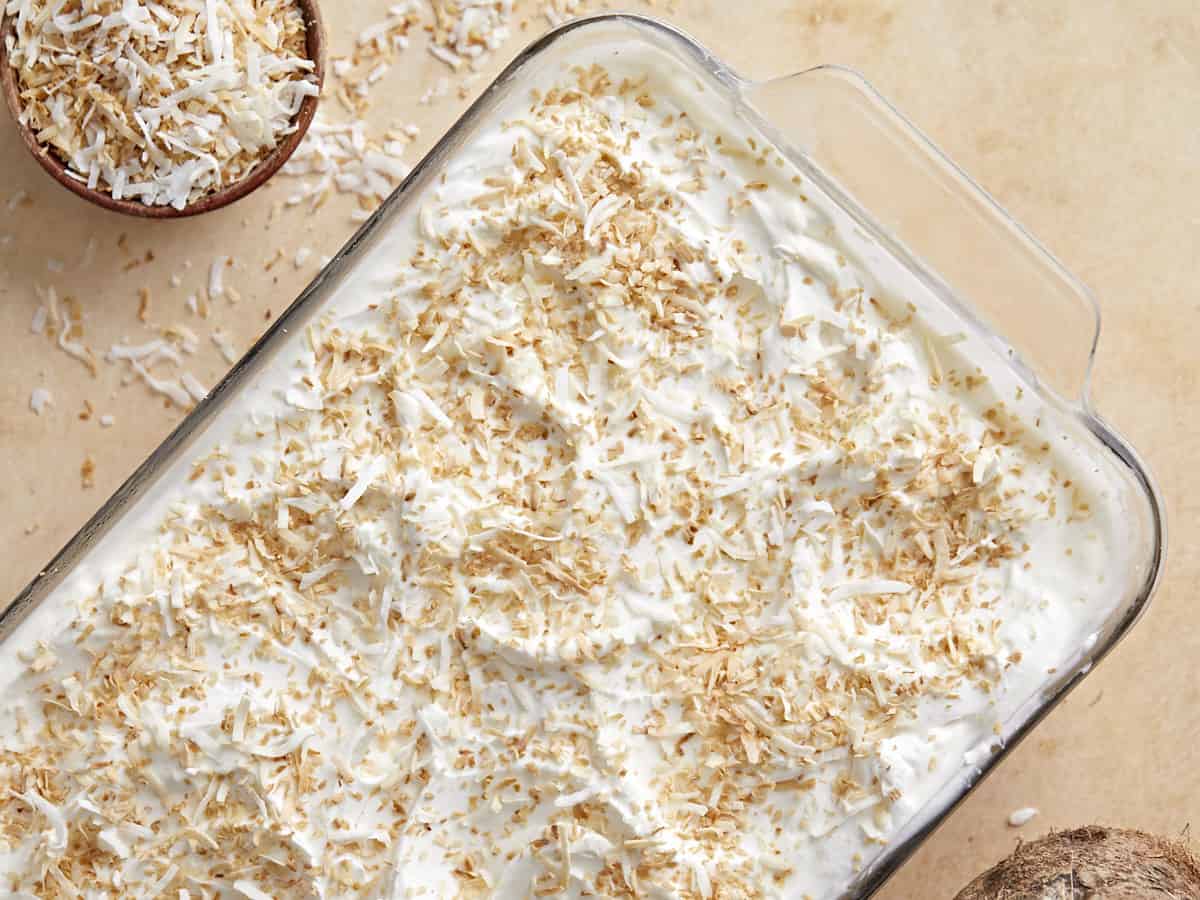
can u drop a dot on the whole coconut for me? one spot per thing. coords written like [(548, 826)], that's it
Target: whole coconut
[(1092, 864)]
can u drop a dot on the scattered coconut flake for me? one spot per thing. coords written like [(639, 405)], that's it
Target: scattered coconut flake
[(39, 399), (439, 89), (188, 341), (340, 157), (193, 386), (1022, 816), (302, 256), (169, 389), (222, 342), (89, 254), (38, 325), (558, 11), (107, 421), (216, 277), (87, 472), (76, 349), (448, 56), (468, 31), (148, 354)]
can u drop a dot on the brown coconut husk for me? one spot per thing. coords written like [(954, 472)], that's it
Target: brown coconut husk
[(1093, 863)]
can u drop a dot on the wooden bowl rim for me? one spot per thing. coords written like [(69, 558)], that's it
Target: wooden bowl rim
[(314, 44)]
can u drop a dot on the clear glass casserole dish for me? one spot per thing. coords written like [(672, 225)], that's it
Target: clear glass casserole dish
[(913, 213)]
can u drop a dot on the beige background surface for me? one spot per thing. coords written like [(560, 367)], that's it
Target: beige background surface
[(1082, 117)]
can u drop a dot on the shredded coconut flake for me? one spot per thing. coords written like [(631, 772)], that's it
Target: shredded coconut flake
[(216, 277), (340, 157), (193, 386), (1022, 816), (172, 390), (39, 399), (249, 891), (366, 477), (222, 342)]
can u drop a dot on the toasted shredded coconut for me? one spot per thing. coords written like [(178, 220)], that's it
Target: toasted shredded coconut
[(164, 102)]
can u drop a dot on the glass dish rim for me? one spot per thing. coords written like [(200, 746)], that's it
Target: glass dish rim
[(192, 426)]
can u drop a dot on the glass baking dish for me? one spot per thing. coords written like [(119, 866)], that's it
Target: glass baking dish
[(904, 200)]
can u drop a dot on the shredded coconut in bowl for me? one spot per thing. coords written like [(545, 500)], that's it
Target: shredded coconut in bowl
[(160, 101)]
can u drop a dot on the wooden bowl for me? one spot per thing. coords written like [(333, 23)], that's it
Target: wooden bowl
[(268, 166)]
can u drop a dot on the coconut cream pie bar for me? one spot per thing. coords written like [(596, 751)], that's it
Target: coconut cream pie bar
[(615, 529)]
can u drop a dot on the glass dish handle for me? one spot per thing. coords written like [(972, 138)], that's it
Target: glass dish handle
[(933, 215)]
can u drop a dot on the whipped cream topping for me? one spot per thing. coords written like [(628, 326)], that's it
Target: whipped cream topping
[(615, 530)]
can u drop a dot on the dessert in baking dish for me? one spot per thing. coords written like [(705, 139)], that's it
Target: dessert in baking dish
[(618, 527)]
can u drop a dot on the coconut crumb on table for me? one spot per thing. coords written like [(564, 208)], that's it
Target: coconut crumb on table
[(1023, 816), (222, 342), (216, 277), (19, 199), (87, 472), (39, 399)]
